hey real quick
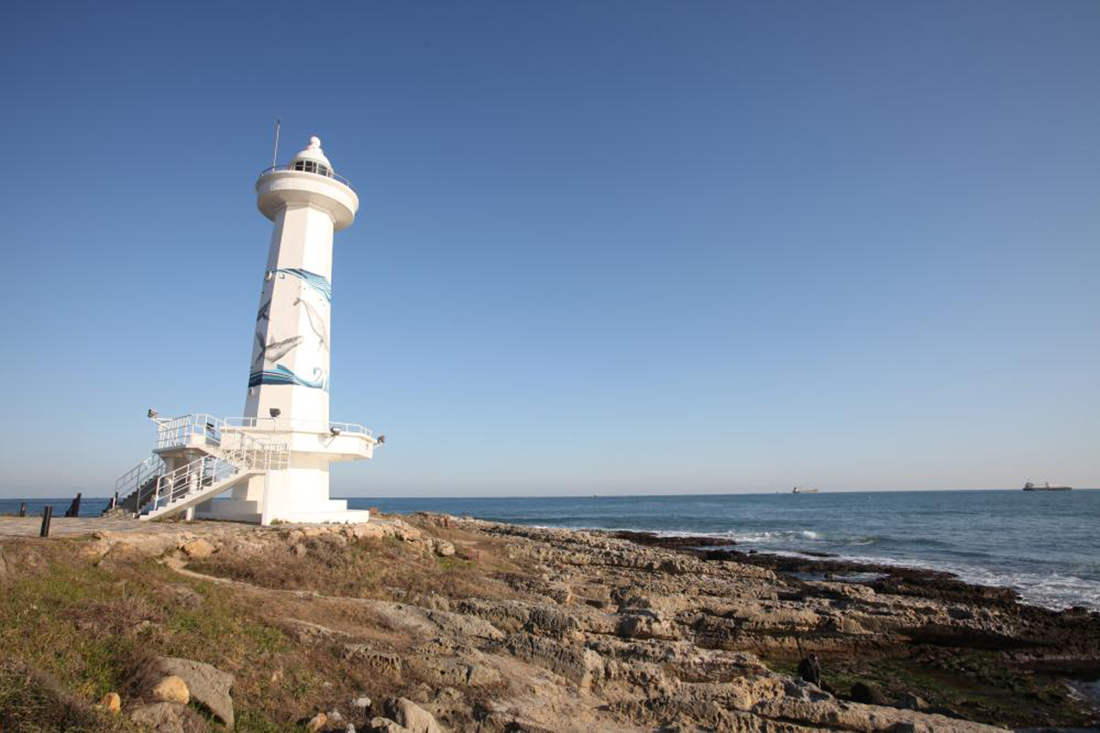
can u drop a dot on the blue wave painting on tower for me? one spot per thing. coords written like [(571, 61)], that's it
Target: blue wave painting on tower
[(312, 279), (281, 375)]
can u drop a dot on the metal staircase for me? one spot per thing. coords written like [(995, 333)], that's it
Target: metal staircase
[(221, 456), (137, 485)]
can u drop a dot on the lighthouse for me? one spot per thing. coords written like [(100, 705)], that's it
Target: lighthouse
[(290, 359), (271, 464)]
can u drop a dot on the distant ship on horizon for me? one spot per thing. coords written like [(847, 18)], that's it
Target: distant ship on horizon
[(798, 490), (1046, 487)]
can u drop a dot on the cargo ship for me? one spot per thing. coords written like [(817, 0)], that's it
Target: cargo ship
[(798, 490), (1045, 487)]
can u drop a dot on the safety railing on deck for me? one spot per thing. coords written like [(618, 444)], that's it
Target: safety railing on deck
[(283, 424), (209, 431), (291, 167), (182, 431)]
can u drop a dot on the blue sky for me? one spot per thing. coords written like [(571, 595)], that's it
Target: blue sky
[(616, 247)]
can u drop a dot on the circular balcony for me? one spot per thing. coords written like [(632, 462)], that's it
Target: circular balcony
[(308, 166), (307, 182)]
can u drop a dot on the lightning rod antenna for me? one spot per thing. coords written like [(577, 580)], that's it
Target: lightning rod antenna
[(275, 157)]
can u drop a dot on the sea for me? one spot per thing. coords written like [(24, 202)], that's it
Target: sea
[(1046, 545)]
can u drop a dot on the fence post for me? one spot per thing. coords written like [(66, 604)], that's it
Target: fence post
[(74, 508), (23, 509), (47, 515)]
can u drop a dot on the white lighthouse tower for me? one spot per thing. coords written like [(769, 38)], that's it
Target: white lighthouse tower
[(273, 463)]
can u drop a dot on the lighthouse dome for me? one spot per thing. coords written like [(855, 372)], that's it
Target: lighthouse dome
[(312, 159)]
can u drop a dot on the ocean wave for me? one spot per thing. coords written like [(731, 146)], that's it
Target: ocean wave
[(1056, 591), (741, 536), (1052, 590)]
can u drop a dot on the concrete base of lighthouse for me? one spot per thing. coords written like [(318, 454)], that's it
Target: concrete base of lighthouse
[(300, 492)]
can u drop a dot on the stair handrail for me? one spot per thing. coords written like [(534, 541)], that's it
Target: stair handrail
[(207, 470), (197, 475), (229, 450), (136, 477)]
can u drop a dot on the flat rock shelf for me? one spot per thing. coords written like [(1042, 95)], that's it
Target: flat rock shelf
[(445, 623)]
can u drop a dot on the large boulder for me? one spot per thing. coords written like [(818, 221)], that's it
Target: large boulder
[(411, 716), (443, 548), (168, 717), (868, 693), (207, 684), (198, 549)]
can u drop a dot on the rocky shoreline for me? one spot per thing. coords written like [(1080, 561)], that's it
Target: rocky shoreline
[(430, 622)]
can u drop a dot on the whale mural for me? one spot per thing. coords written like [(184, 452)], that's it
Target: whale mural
[(276, 350), (315, 322)]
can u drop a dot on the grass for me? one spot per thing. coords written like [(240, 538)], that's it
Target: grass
[(69, 625), (31, 701), (74, 628), (369, 568)]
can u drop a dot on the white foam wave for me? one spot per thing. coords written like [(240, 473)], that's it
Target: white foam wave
[(743, 536), (1049, 590)]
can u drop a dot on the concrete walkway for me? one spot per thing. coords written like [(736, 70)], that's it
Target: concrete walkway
[(75, 526)]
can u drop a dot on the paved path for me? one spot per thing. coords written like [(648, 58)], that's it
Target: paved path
[(74, 526)]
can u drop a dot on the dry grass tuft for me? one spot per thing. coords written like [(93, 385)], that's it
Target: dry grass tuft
[(386, 569), (33, 701), (88, 627)]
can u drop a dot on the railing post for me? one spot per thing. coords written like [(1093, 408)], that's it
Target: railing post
[(23, 509), (47, 515)]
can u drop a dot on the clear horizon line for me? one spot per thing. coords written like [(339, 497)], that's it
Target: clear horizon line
[(596, 495)]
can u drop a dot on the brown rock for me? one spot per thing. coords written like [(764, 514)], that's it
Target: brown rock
[(385, 725), (171, 689), (443, 548), (198, 549), (111, 702), (410, 715), (207, 684), (168, 717)]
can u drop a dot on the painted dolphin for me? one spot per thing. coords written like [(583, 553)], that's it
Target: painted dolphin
[(276, 349), (315, 322)]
